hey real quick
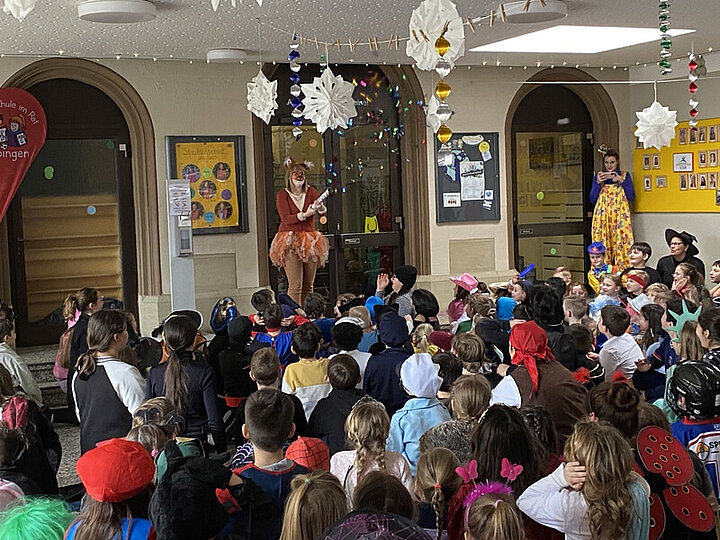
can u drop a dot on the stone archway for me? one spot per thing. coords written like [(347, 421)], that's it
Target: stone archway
[(599, 104), (142, 140)]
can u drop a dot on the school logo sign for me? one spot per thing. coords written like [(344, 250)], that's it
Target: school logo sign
[(22, 134)]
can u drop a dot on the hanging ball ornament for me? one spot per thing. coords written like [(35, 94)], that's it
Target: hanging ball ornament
[(443, 112), (665, 38), (442, 68), (442, 90), (694, 64), (295, 89), (444, 156), (442, 45), (444, 133)]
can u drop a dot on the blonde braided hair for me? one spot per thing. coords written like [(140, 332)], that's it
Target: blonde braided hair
[(367, 426)]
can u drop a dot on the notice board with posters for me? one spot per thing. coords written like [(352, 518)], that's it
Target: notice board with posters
[(467, 187), (215, 168)]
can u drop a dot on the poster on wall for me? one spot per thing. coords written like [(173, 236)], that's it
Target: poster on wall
[(215, 168)]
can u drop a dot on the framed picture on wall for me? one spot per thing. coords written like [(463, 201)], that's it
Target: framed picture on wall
[(661, 181), (692, 181), (712, 133), (703, 180), (712, 180), (682, 162), (702, 135), (647, 182), (683, 182), (702, 159), (682, 135), (656, 161), (693, 135), (647, 162), (712, 158), (215, 168)]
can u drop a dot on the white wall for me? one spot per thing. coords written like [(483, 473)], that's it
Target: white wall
[(202, 99), (650, 227)]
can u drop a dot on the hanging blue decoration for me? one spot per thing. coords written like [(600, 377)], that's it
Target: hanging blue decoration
[(295, 90)]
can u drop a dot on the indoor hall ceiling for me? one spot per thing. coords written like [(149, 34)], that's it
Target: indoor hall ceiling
[(187, 29)]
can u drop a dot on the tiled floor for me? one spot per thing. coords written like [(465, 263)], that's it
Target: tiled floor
[(70, 440)]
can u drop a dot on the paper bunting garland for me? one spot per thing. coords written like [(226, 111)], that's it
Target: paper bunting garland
[(19, 8), (429, 20), (656, 126), (329, 101), (262, 97)]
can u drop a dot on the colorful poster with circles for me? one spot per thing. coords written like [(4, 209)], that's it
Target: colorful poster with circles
[(215, 168)]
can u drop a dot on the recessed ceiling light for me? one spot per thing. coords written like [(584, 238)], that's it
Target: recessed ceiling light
[(577, 39), (225, 56), (116, 11)]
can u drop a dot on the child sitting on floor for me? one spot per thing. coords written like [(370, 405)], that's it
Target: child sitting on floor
[(307, 378)]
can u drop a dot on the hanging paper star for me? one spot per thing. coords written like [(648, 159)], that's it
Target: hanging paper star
[(262, 97), (329, 101), (426, 25), (682, 318), (19, 8), (656, 126)]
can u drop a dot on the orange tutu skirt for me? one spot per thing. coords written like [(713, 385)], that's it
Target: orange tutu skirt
[(308, 246)]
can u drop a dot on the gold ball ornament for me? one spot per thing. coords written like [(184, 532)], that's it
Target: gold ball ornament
[(442, 90), (444, 133), (323, 220), (442, 45)]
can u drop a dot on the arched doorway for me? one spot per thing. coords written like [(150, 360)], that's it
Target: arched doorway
[(140, 150), (70, 224), (551, 131), (378, 196)]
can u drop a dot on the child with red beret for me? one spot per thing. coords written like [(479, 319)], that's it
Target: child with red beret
[(117, 475)]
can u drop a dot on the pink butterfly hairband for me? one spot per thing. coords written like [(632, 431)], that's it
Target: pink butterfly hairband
[(469, 473)]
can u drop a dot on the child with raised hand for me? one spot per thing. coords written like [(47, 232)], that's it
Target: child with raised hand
[(367, 429), (596, 494), (307, 378), (493, 515), (435, 484), (117, 476), (419, 376), (316, 502)]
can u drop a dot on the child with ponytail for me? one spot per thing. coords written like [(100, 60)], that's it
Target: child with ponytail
[(420, 339), (188, 382), (316, 502), (106, 390), (492, 514), (435, 484), (367, 428)]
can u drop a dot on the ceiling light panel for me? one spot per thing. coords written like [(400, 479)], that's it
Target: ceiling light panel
[(577, 39)]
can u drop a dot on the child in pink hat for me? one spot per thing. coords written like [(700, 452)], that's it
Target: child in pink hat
[(465, 285)]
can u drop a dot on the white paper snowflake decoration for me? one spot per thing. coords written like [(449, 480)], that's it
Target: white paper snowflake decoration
[(431, 114), (656, 126), (426, 24), (262, 97), (19, 8), (328, 101)]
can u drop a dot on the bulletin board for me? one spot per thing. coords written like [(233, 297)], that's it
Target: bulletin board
[(469, 188), (683, 177)]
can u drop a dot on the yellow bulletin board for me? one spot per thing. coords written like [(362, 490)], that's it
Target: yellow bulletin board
[(684, 177), (215, 168)]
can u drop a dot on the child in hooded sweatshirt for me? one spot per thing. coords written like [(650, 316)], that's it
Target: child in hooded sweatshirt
[(419, 377)]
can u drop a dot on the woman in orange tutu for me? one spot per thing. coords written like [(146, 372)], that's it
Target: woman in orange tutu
[(297, 246)]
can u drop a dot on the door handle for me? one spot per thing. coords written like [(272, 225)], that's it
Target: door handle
[(20, 243)]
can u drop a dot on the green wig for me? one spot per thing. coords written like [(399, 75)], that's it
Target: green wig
[(38, 519)]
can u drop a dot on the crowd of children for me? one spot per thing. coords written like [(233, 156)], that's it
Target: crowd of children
[(536, 410)]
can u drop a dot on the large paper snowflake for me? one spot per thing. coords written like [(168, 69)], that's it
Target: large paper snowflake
[(328, 101), (656, 126), (19, 8), (262, 97), (426, 24)]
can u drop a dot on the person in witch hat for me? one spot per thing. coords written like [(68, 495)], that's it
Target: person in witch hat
[(682, 250)]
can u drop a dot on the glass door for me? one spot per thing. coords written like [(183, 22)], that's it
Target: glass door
[(361, 166), (551, 221)]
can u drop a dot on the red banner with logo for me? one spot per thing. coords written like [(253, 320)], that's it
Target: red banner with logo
[(22, 134)]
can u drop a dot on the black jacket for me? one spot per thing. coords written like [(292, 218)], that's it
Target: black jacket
[(562, 345), (202, 411), (235, 369), (327, 421), (667, 265), (78, 346)]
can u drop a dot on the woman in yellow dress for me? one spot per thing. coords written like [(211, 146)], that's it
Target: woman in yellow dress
[(612, 192)]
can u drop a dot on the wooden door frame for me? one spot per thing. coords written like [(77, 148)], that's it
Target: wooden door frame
[(414, 174), (142, 151), (606, 127)]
